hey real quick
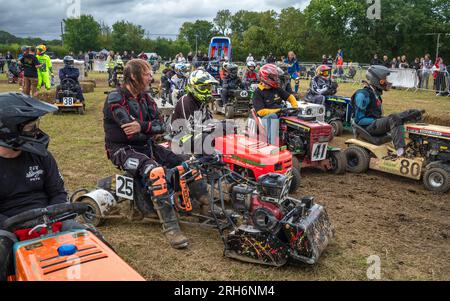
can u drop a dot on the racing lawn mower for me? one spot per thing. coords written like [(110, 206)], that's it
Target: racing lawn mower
[(427, 154), (245, 155), (339, 112), (263, 225), (44, 253), (239, 104), (67, 97), (305, 137)]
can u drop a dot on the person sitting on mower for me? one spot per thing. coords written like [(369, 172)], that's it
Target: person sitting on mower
[(231, 81), (178, 81), (30, 175), (321, 86), (199, 91), (70, 71), (368, 112), (267, 99), (166, 75), (131, 123), (250, 75), (213, 68)]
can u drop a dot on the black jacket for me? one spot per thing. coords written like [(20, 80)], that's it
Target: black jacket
[(29, 182)]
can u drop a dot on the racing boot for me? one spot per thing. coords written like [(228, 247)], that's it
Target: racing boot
[(165, 210)]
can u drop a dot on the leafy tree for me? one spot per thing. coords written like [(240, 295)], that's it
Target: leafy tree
[(204, 31), (223, 21), (82, 33), (127, 36)]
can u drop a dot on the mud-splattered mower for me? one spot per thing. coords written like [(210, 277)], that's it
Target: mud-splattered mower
[(263, 224)]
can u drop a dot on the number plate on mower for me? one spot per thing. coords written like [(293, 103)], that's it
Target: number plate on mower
[(319, 151), (68, 101), (124, 187)]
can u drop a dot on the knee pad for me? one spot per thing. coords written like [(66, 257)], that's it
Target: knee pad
[(131, 166), (157, 182)]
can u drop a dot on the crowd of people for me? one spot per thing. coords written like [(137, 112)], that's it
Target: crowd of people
[(425, 68)]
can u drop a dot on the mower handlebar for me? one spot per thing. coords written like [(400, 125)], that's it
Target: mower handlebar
[(52, 212)]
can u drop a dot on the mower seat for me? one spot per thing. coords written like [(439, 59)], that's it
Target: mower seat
[(361, 133)]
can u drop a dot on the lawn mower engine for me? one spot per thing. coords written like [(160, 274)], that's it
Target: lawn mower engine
[(304, 137), (430, 141), (277, 228)]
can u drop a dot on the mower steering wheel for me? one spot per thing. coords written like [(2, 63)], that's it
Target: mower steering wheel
[(288, 111), (70, 82), (54, 213)]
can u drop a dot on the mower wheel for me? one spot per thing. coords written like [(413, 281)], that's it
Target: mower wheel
[(229, 112), (296, 163), (295, 184), (81, 110), (338, 128), (93, 214), (437, 179), (338, 162), (358, 159)]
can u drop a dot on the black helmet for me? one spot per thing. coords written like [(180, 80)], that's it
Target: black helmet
[(68, 60), (377, 76), (17, 110), (231, 69)]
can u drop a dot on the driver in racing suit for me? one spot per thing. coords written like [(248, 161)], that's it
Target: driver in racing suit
[(69, 71), (131, 122)]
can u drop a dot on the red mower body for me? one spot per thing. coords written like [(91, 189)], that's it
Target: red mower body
[(242, 152)]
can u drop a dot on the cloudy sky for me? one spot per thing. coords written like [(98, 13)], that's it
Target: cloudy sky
[(42, 18)]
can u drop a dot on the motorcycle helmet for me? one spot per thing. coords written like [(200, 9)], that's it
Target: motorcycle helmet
[(68, 60), (231, 69), (41, 49), (323, 71), (269, 75), (377, 77), (251, 65), (19, 115), (181, 70), (200, 85)]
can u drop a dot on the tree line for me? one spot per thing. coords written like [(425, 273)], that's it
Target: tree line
[(322, 28)]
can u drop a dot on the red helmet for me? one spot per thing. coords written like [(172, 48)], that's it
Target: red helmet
[(269, 75)]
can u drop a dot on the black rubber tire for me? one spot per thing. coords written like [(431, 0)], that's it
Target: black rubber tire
[(296, 163), (96, 220), (296, 178), (338, 128), (358, 159), (437, 179), (229, 112), (338, 162)]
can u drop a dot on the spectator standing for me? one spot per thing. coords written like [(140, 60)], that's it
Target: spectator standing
[(324, 59), (250, 58), (2, 63), (270, 59), (330, 61), (30, 63), (439, 74), (386, 62), (403, 63), (427, 65), (91, 60), (293, 69), (8, 58), (340, 65), (394, 63), (417, 66), (375, 60), (190, 57)]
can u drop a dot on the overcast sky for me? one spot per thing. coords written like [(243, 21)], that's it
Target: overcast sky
[(42, 18)]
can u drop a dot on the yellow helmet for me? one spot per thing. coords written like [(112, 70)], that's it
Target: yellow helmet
[(41, 49), (200, 84)]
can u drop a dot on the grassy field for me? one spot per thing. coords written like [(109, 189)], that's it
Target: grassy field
[(365, 225)]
